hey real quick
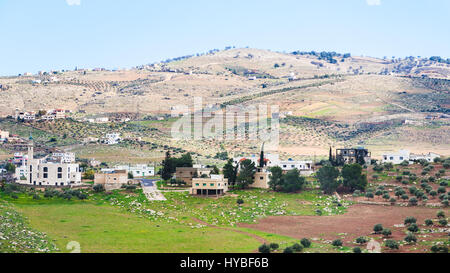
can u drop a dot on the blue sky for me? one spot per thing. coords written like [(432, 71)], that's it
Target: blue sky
[(61, 34)]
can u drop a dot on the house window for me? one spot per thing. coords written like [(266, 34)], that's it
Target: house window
[(401, 158), (391, 158), (261, 177), (204, 185), (212, 185), (197, 184)]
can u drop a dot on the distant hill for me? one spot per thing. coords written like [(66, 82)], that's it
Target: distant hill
[(367, 99)]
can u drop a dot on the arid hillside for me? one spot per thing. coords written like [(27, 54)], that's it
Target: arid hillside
[(326, 99)]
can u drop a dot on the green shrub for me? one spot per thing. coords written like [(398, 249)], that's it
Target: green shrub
[(413, 201), (378, 228), (357, 250), (386, 232), (297, 247), (274, 246), (443, 222), (429, 222), (439, 249), (337, 243), (440, 214), (361, 240), (411, 238), (391, 244), (410, 220), (99, 188), (264, 249), (413, 228), (288, 250), (306, 243)]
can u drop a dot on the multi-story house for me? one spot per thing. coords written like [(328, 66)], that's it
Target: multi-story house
[(353, 155), (41, 172), (214, 185)]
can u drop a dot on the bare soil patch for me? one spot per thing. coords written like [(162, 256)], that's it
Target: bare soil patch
[(358, 221)]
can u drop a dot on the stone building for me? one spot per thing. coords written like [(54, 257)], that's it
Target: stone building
[(43, 172), (215, 185)]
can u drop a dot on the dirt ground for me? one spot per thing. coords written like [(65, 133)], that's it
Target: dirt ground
[(358, 221)]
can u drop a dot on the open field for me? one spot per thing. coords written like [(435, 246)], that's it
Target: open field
[(358, 221), (127, 222)]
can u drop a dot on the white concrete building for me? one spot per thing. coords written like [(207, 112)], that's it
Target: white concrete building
[(273, 160), (4, 135), (140, 170), (112, 139), (64, 157), (396, 158), (41, 172), (430, 157), (405, 155), (305, 167)]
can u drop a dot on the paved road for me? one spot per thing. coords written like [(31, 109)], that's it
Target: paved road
[(151, 190), (149, 182)]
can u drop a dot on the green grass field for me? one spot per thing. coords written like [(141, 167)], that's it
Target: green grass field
[(103, 228), (126, 222)]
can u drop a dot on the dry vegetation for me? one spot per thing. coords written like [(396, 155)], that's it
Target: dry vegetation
[(355, 101)]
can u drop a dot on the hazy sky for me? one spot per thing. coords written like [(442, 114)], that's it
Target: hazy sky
[(61, 34)]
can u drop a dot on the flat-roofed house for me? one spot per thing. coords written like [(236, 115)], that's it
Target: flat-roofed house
[(261, 179), (140, 170), (396, 158), (353, 155), (187, 174), (213, 186), (112, 180)]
